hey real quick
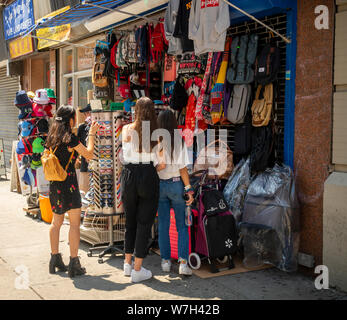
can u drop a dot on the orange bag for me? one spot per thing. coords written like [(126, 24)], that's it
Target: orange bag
[(46, 209)]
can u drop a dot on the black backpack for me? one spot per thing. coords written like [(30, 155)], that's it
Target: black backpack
[(243, 137), (179, 97), (267, 64), (262, 147)]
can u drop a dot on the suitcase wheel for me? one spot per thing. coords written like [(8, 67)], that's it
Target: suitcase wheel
[(194, 261)]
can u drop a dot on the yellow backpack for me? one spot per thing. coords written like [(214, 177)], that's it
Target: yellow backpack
[(51, 166), (262, 108)]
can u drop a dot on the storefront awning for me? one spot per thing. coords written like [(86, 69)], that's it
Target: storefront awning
[(89, 9), (84, 11)]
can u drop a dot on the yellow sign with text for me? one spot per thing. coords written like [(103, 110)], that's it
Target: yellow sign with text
[(59, 33), (21, 47)]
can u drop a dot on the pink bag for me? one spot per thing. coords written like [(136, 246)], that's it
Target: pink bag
[(124, 91)]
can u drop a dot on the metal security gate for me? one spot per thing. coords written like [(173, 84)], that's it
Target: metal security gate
[(8, 112), (279, 23)]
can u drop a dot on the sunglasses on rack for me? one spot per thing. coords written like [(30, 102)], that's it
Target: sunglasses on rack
[(106, 181), (106, 171), (105, 148), (106, 156), (106, 152), (104, 132), (106, 166), (105, 137), (107, 195)]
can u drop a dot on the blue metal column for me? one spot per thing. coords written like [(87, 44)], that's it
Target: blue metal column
[(289, 113)]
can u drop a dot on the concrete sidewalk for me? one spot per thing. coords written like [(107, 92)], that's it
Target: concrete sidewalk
[(24, 245)]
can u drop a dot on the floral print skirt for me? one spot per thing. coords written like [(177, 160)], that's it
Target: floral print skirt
[(65, 195)]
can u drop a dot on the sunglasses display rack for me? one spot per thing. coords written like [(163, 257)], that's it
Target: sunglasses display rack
[(106, 201)]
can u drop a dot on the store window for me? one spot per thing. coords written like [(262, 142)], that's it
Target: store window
[(76, 78)]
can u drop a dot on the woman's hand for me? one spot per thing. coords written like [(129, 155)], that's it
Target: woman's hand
[(190, 200), (94, 128)]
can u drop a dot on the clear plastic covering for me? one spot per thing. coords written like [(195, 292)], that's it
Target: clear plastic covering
[(236, 188), (270, 221)]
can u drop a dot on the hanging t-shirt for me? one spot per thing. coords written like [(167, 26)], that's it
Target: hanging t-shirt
[(182, 25), (170, 68)]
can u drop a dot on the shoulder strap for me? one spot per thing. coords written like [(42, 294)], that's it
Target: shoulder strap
[(73, 151), (258, 92)]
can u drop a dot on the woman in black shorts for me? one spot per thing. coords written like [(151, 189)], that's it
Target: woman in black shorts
[(65, 195)]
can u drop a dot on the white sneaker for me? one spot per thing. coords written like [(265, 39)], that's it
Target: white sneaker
[(127, 269), (142, 275), (185, 270), (165, 265)]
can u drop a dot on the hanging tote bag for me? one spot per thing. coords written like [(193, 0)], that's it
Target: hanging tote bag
[(52, 168), (262, 108), (218, 161)]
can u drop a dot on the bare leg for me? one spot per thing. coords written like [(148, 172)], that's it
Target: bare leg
[(54, 232), (128, 257), (74, 233), (138, 264)]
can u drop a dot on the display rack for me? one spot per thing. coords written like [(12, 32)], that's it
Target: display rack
[(104, 221)]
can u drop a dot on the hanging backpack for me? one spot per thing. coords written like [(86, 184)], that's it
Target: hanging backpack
[(98, 77), (179, 97), (130, 48), (262, 108), (242, 58), (243, 137), (267, 65), (239, 103), (120, 61), (158, 42), (262, 147)]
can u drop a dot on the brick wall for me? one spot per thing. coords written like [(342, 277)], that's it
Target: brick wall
[(313, 121)]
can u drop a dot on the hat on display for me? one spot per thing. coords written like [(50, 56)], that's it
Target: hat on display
[(25, 112), (26, 160), (42, 126), (41, 97), (47, 109), (27, 128), (88, 108), (22, 99), (38, 145), (51, 96), (20, 147), (35, 164), (38, 110), (31, 95)]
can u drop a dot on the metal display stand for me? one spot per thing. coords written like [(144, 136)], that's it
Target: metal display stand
[(94, 229)]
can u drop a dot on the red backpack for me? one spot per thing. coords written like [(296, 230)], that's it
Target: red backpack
[(158, 42)]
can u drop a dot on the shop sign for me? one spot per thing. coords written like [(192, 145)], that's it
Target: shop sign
[(59, 33), (18, 18), (2, 158), (21, 47)]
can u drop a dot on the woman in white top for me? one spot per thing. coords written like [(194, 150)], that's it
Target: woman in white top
[(174, 185), (140, 187)]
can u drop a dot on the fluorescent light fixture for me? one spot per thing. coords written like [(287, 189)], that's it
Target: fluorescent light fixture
[(110, 18)]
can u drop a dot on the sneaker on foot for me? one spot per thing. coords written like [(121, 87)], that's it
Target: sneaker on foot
[(127, 269), (184, 269), (142, 275), (165, 265)]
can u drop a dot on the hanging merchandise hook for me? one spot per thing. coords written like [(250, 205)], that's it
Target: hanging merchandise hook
[(257, 20)]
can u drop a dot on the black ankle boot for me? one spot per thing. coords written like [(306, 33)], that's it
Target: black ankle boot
[(74, 268), (56, 262)]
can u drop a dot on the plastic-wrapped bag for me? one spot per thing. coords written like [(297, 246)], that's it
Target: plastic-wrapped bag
[(236, 188), (270, 222)]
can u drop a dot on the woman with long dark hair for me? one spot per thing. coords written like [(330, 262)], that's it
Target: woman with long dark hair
[(65, 195), (140, 187), (174, 185)]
